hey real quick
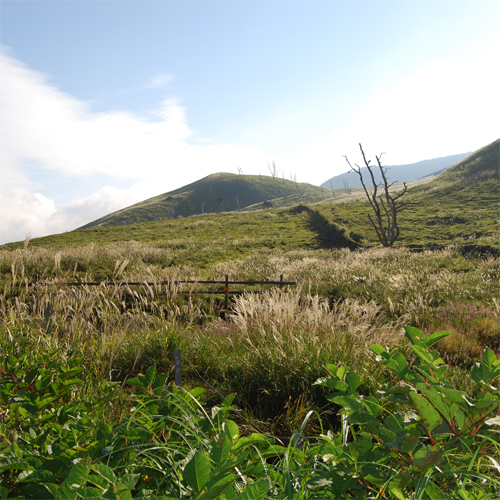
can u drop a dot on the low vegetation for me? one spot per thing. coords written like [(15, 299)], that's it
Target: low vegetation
[(68, 433)]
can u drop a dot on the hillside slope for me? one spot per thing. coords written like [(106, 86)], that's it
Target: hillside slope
[(460, 206), (216, 193), (396, 173)]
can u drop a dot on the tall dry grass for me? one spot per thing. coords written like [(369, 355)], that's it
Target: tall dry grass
[(272, 346)]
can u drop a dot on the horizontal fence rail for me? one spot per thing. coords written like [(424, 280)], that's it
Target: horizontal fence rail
[(168, 283), (35, 282)]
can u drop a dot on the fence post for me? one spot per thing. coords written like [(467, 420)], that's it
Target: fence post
[(281, 284), (178, 373), (227, 291), (47, 318)]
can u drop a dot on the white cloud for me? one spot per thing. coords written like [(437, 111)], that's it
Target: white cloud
[(160, 81), (59, 133), (24, 212)]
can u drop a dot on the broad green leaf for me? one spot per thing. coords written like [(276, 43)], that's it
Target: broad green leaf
[(221, 447), (437, 400), (150, 374), (422, 353), (228, 399), (459, 417), (426, 456), (433, 492), (373, 475), (429, 417), (436, 337), (39, 491), (128, 481), (364, 419), (98, 481), (395, 423), (42, 383), (138, 382), (73, 381), (397, 493), (410, 441), (372, 405), (159, 383), (415, 336), (245, 441), (197, 392), (398, 364), (361, 449), (452, 394), (341, 371), (105, 472), (197, 472), (90, 492), (119, 493), (347, 402), (14, 448), (256, 491), (230, 494), (354, 381), (37, 476), (378, 349), (233, 429), (65, 491), (489, 368), (340, 385), (217, 486)]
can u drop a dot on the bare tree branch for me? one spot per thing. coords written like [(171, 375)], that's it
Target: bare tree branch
[(385, 206)]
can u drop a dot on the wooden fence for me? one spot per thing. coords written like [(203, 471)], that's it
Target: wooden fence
[(227, 290)]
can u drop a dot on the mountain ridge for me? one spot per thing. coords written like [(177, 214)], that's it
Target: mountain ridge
[(397, 173)]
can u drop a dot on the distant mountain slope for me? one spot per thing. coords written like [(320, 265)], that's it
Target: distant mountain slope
[(480, 169), (482, 165), (396, 173), (215, 193)]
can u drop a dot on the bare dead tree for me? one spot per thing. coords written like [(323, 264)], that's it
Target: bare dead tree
[(331, 187), (385, 206), (273, 170)]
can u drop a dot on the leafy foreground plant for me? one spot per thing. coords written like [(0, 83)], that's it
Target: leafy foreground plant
[(442, 445), (421, 439), (168, 447)]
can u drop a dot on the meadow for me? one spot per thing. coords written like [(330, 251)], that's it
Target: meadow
[(267, 351), (346, 385)]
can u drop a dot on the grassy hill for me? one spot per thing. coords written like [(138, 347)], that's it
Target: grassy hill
[(216, 193)]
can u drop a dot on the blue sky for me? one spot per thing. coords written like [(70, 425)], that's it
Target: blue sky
[(106, 103)]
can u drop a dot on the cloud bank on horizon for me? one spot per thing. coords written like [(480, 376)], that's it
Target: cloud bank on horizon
[(48, 136)]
